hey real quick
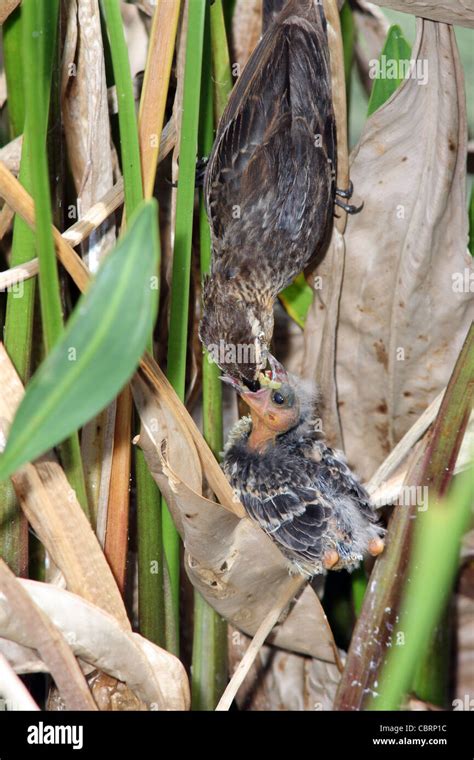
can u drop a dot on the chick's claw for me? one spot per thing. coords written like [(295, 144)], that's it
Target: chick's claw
[(376, 547), (330, 559)]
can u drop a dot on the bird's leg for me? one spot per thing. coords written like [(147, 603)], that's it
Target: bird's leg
[(348, 208), (330, 559), (376, 546)]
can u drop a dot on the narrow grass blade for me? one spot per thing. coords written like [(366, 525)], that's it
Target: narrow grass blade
[(39, 41), (100, 348), (179, 308), (209, 664), (18, 327), (431, 573), (129, 147), (221, 70)]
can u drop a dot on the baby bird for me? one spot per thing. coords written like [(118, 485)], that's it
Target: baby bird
[(269, 184), (298, 490)]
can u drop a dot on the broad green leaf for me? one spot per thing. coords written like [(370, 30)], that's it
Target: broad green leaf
[(297, 299), (99, 350), (388, 75)]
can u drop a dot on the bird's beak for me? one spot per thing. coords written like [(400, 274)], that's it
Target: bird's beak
[(235, 384), (256, 400), (279, 373)]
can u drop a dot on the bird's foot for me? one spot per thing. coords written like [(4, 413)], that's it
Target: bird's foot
[(330, 559), (348, 208), (376, 546), (201, 165)]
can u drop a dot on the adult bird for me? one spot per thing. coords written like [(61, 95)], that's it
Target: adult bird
[(297, 489), (269, 186)]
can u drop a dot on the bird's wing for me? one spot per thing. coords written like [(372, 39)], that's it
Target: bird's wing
[(282, 96), (342, 484), (294, 515)]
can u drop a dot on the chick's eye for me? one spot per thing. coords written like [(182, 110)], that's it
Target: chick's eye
[(278, 398)]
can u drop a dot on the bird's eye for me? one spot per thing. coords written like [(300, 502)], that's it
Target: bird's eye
[(278, 398)]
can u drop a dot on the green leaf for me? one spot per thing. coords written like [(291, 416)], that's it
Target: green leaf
[(396, 49), (98, 351), (296, 299), (432, 574)]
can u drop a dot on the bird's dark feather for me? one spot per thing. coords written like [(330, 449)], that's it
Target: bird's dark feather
[(266, 159)]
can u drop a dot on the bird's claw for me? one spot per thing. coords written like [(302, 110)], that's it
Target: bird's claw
[(349, 208), (346, 193)]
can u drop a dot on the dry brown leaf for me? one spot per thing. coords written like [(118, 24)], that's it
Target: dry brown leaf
[(155, 88), (285, 681), (371, 32), (33, 628), (156, 676), (7, 7), (51, 506), (86, 116), (10, 154), (460, 12), (22, 659), (136, 37), (246, 29), (320, 334), (14, 694), (221, 548), (397, 297)]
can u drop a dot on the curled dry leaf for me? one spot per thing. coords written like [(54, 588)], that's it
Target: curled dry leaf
[(22, 659), (229, 560), (157, 677), (20, 614), (403, 311), (284, 680), (84, 105), (460, 12), (13, 689)]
